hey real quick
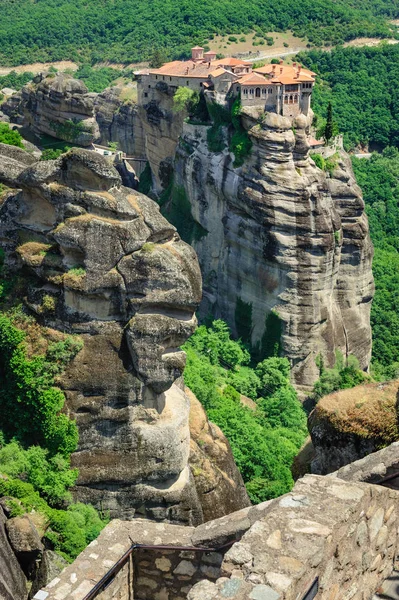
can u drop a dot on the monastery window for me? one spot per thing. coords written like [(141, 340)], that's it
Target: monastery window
[(149, 86), (156, 76), (163, 77), (285, 99), (145, 95), (295, 98), (257, 92), (291, 100), (188, 83), (245, 91), (251, 91), (263, 91), (170, 79), (270, 90)]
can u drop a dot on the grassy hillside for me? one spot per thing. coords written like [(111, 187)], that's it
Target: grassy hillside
[(129, 30)]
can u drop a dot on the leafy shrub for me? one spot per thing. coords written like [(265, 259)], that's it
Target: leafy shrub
[(29, 403), (10, 136), (50, 476), (69, 531), (50, 154), (344, 375)]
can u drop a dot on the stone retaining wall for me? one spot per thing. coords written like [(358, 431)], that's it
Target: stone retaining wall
[(332, 537)]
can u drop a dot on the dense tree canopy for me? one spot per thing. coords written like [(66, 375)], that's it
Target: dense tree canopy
[(361, 84), (127, 30), (379, 179), (265, 439)]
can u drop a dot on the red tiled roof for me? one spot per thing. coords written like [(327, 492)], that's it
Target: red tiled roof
[(184, 68), (253, 79), (286, 74), (231, 62)]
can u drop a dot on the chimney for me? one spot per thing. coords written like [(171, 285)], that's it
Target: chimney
[(299, 68), (294, 64), (281, 70), (281, 61)]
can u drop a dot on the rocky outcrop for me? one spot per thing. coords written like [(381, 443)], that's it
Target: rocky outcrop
[(57, 105), (109, 268), (162, 128), (287, 255), (118, 121), (12, 578), (61, 106), (350, 424), (25, 542), (217, 480)]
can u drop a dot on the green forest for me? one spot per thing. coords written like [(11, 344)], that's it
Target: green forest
[(379, 180), (361, 84), (127, 31), (264, 437)]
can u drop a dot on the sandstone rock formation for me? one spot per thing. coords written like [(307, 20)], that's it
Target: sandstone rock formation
[(162, 128), (57, 105), (12, 578), (119, 122), (287, 257), (109, 268), (350, 424), (61, 106)]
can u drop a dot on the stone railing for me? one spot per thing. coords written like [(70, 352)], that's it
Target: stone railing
[(142, 559), (330, 537)]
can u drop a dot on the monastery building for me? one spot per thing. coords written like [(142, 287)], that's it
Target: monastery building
[(284, 89)]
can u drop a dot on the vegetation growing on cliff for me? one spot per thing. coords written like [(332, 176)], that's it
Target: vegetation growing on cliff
[(127, 31), (265, 439), (36, 438), (9, 136)]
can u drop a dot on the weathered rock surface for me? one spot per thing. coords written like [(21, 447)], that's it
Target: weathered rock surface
[(217, 480), (350, 424), (119, 121), (12, 578), (61, 106), (282, 237), (25, 542), (109, 268), (162, 128), (57, 105), (51, 565)]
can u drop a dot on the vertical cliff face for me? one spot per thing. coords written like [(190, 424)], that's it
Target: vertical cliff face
[(162, 128), (287, 258), (103, 264), (119, 122)]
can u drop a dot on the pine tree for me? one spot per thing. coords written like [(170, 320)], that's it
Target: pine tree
[(329, 128)]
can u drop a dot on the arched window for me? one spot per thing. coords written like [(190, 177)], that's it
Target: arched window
[(257, 92), (285, 99), (291, 100), (295, 98)]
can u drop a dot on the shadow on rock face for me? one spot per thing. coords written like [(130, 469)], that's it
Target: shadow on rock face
[(104, 264)]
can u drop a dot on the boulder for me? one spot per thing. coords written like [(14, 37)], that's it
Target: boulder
[(350, 424), (51, 565), (25, 542), (12, 578)]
